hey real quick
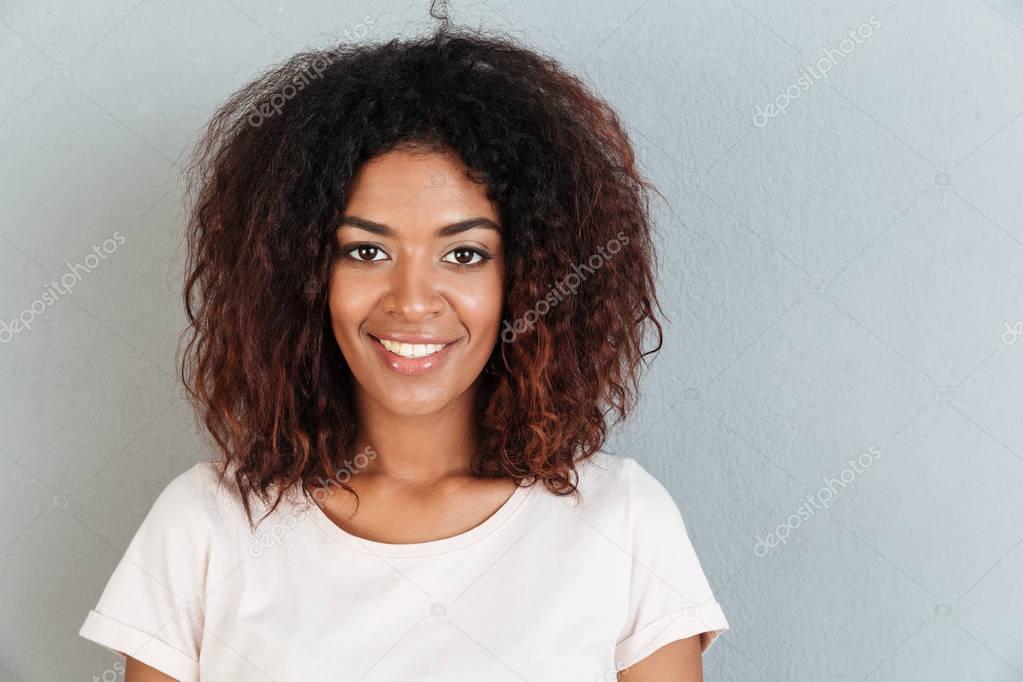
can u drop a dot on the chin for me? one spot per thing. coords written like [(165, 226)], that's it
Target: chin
[(411, 400)]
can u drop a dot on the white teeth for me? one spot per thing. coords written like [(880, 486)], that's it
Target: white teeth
[(411, 350)]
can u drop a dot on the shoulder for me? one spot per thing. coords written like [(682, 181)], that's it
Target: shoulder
[(620, 486), (602, 464), (195, 499), (618, 475), (624, 492), (602, 477)]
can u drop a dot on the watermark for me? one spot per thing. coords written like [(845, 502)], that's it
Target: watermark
[(612, 674), (111, 674), (1013, 332), (814, 503), (821, 69), (277, 531), (275, 103), (60, 287), (557, 293)]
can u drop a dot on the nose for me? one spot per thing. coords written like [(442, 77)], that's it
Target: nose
[(412, 292)]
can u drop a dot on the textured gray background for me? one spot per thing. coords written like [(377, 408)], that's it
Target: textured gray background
[(846, 276)]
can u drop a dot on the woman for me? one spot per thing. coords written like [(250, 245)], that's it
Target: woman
[(419, 278)]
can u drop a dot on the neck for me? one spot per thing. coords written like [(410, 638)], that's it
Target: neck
[(418, 448)]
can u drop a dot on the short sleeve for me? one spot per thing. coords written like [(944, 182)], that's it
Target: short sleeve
[(152, 606), (669, 596)]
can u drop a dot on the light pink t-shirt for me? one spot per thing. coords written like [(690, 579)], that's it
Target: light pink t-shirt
[(544, 589)]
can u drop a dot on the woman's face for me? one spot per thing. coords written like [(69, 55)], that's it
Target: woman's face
[(416, 292)]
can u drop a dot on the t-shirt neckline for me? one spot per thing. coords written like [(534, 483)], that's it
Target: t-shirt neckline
[(340, 536)]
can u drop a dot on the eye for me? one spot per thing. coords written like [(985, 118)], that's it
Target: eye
[(365, 253), (465, 256)]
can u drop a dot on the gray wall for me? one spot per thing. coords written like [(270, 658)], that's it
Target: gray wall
[(842, 271)]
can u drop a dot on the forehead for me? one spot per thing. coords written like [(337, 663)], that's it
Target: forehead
[(404, 186)]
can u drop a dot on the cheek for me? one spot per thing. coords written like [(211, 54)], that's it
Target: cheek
[(480, 306), (349, 305)]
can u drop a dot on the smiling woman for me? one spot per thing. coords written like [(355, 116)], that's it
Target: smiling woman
[(419, 280), (434, 499)]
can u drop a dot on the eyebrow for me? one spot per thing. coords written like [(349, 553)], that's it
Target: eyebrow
[(445, 231)]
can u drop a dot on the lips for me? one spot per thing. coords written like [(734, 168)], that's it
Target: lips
[(412, 354)]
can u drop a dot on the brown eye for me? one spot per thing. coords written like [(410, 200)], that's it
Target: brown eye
[(364, 253), (467, 257)]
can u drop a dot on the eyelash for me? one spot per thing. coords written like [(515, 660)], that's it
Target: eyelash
[(484, 257)]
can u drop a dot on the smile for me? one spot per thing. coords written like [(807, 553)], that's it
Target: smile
[(412, 359), (411, 350)]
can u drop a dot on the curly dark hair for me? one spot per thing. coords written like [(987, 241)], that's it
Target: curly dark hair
[(267, 185)]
